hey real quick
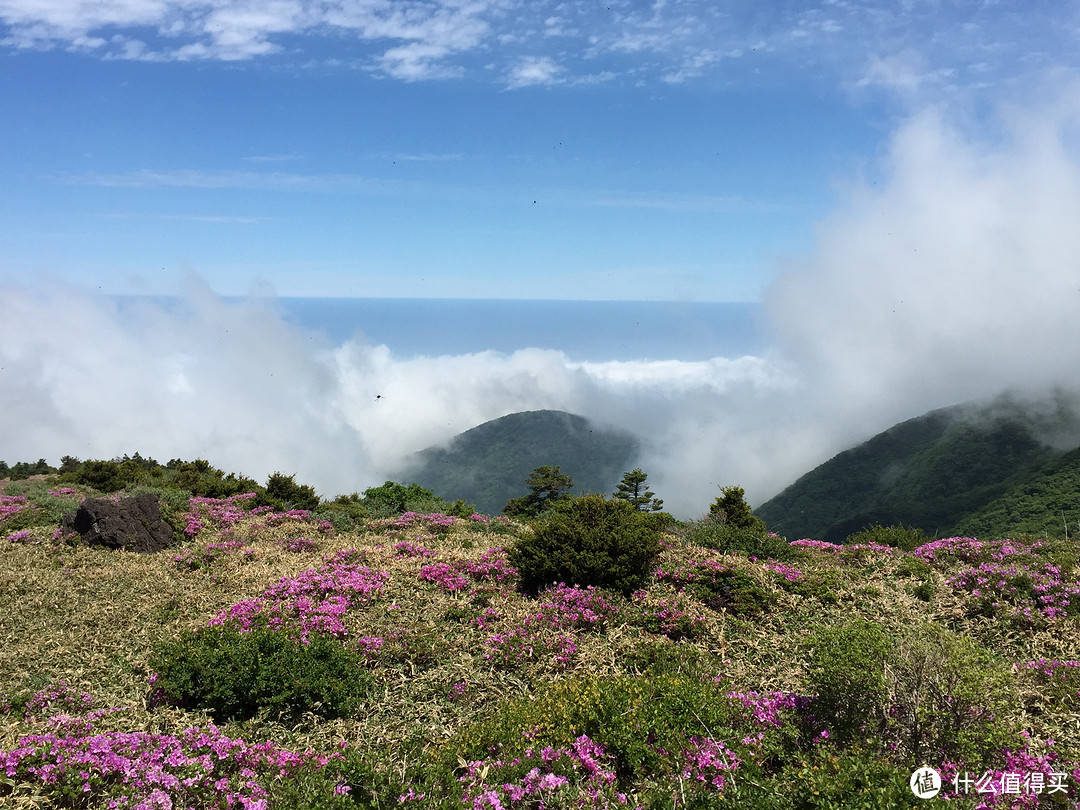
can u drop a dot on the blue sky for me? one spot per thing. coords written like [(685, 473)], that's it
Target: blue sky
[(473, 148)]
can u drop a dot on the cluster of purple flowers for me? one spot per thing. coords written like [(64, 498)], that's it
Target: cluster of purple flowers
[(584, 764), (219, 512), (521, 645), (297, 544), (406, 548), (23, 536), (492, 566), (766, 708), (708, 762), (693, 573), (199, 767), (315, 600), (1028, 778), (1019, 591), (435, 522), (786, 572), (574, 608), (971, 550), (63, 492), (664, 617), (12, 505)]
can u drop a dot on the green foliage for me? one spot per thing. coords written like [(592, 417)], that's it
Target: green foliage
[(948, 694), (662, 658), (238, 675), (899, 537), (749, 541), (636, 719), (587, 541), (547, 486), (734, 592), (847, 673), (635, 491), (731, 509), (927, 691), (203, 480), (393, 498), (283, 492), (24, 469)]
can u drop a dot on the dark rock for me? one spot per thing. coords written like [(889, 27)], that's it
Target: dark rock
[(134, 524)]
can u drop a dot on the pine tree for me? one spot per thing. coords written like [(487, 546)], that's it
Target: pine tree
[(634, 489), (733, 510), (547, 484)]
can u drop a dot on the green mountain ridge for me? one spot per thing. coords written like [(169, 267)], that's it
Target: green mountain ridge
[(987, 470), (488, 464)]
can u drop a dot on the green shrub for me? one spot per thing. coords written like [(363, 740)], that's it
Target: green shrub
[(238, 675), (948, 696), (638, 720), (899, 537), (282, 492), (925, 692), (847, 674), (732, 591), (749, 541), (587, 541)]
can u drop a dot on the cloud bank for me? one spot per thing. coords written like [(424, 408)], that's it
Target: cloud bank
[(952, 275)]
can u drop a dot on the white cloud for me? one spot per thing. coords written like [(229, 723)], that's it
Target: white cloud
[(534, 70)]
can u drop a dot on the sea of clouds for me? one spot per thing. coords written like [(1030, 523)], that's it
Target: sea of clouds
[(951, 275)]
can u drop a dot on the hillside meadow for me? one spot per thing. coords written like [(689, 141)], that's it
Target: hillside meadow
[(295, 658)]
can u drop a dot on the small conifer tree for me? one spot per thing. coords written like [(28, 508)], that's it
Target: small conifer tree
[(634, 489), (547, 484), (732, 510)]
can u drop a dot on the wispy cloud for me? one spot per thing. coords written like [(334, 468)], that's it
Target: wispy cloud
[(862, 42), (535, 70)]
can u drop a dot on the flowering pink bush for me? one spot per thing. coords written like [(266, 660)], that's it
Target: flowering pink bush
[(1018, 591), (297, 545), (708, 762), (434, 522), (12, 505), (217, 512), (196, 768), (522, 645), (315, 600), (408, 549), (582, 770), (577, 608), (492, 566)]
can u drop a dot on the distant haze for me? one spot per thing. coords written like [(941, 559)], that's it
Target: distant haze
[(951, 273)]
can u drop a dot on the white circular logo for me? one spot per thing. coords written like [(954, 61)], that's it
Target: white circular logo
[(925, 782)]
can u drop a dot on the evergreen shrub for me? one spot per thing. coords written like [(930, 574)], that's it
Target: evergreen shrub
[(238, 675), (751, 541), (587, 541), (899, 537)]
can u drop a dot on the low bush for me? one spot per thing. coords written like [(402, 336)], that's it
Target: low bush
[(238, 675), (587, 541), (748, 541), (899, 537), (926, 692)]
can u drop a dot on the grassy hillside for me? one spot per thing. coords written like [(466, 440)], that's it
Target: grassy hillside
[(727, 681), (935, 472), (488, 464)]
